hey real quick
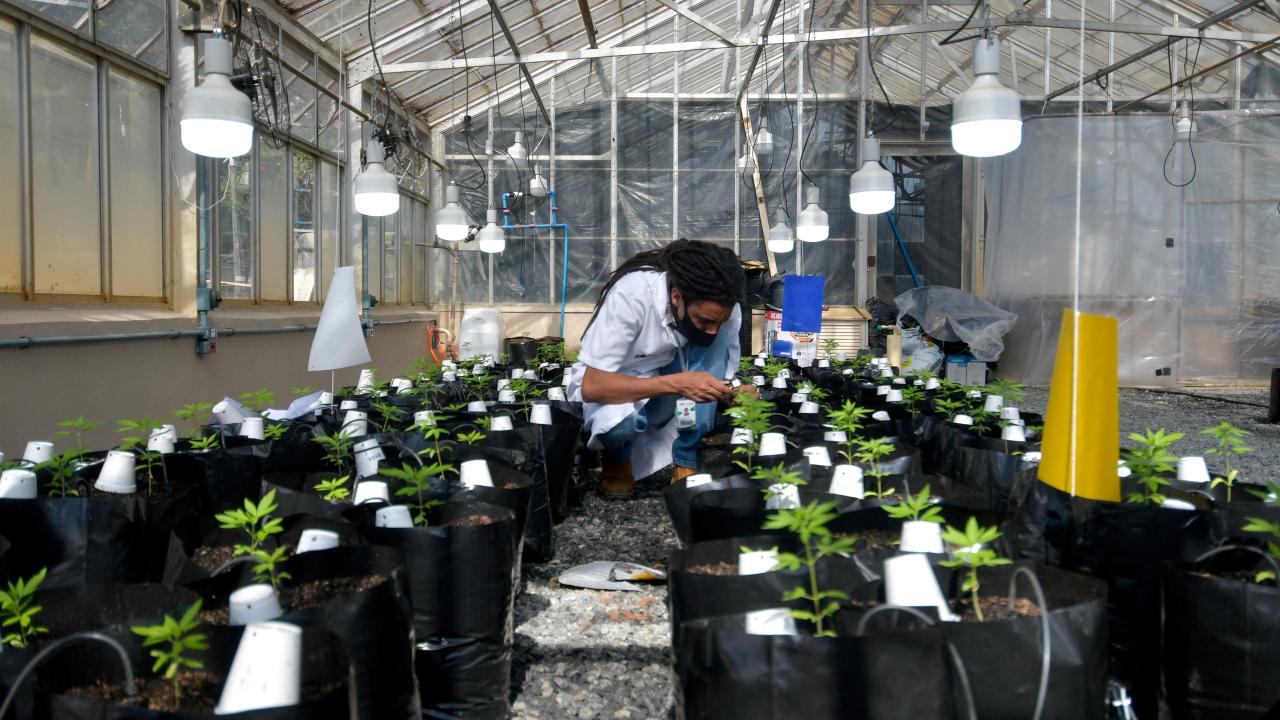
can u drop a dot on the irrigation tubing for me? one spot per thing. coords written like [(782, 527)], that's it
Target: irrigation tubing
[(130, 688), (1047, 635), (951, 650)]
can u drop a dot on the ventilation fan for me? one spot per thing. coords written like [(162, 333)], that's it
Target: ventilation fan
[(258, 74)]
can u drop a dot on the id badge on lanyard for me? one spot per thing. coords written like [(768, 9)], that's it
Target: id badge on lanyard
[(686, 414)]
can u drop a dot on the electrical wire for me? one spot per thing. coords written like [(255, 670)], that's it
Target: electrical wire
[(893, 109), (1191, 100), (466, 125), (808, 67), (973, 11)]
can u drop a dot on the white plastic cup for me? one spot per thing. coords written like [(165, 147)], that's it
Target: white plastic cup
[(18, 484), (461, 372), (757, 380), (824, 363), (759, 362), (1123, 470), (365, 383), (809, 408), (38, 451), (894, 396), (1193, 469), (847, 371), (777, 621), (517, 373), (783, 497), (475, 473), (818, 455), (932, 383), (162, 439), (847, 480), (227, 413), (1176, 504), (117, 474), (348, 405), (835, 436), (804, 362), (1014, 433), (355, 423), (500, 423), (253, 604), (974, 393), (393, 516), (370, 491), (477, 406), (506, 396), (316, 539), (841, 356), (448, 364), (1010, 413), (899, 381), (252, 428), (799, 397), (503, 383), (757, 562), (779, 383), (741, 436), (1032, 457), (921, 537), (540, 414), (566, 379), (772, 443), (909, 582), (694, 481), (881, 416), (424, 417), (368, 455), (962, 419), (993, 404), (266, 671), (556, 393), (401, 384), (1019, 422), (886, 372), (882, 390), (325, 399), (450, 376)]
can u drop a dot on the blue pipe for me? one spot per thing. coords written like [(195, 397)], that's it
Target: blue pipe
[(902, 246), (564, 251)]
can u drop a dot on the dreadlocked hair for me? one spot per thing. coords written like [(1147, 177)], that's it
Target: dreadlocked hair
[(699, 270)]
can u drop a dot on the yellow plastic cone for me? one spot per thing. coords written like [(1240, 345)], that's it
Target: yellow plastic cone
[(1082, 425)]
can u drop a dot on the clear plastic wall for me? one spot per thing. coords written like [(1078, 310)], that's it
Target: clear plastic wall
[(1192, 273)]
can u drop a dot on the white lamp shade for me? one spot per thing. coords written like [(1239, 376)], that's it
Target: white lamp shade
[(871, 187), (492, 238), (538, 185), (780, 238), (764, 139), (217, 119), (376, 191), (986, 120), (811, 224), (451, 221), (517, 150)]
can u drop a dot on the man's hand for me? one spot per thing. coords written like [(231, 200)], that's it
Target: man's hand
[(697, 386)]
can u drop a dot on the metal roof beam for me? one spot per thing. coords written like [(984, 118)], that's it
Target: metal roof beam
[(1206, 71), (705, 24), (585, 10), (515, 49), (745, 81)]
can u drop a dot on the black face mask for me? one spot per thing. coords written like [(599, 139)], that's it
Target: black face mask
[(686, 328)]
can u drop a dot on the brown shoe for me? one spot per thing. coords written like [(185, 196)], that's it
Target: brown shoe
[(616, 480), (680, 473)]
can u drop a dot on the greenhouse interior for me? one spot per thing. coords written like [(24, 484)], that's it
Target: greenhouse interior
[(741, 359)]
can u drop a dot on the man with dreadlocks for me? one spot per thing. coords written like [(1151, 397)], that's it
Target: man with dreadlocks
[(655, 358)]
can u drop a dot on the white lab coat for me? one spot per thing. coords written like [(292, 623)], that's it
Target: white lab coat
[(631, 335)]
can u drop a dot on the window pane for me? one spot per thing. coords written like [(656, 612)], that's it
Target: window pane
[(373, 233), (64, 143), (273, 216), (302, 96), (329, 223), (389, 263), (406, 215), (137, 249), (135, 27), (10, 248), (235, 228), (304, 227), (329, 115), (420, 252), (70, 14)]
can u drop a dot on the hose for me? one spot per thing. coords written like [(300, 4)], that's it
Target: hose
[(1046, 633), (130, 688), (1275, 565), (961, 672)]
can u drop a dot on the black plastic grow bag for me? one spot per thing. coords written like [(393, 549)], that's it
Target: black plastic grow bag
[(1221, 635)]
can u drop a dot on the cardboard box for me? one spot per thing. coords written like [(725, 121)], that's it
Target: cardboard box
[(966, 371)]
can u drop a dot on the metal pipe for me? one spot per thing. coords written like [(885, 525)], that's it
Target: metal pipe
[(760, 48), (24, 342), (1205, 71)]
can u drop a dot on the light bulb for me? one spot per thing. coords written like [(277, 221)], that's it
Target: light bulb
[(492, 238), (376, 191), (538, 184), (1184, 126), (451, 221), (764, 138), (744, 161), (871, 188), (811, 223), (780, 238), (217, 119), (986, 119), (517, 151)]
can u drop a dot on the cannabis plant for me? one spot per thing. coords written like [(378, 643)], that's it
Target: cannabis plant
[(1012, 392), (258, 400), (337, 448), (551, 354), (137, 444), (417, 485), (205, 443), (776, 478), (849, 418), (1230, 444), (388, 413), (181, 639), (274, 431), (471, 438), (1149, 460), (76, 428), (18, 609), (829, 347), (334, 489), (1271, 529), (192, 413), (870, 452), (972, 555), (809, 524), (916, 508), (268, 567), (752, 414), (255, 520), (62, 473)]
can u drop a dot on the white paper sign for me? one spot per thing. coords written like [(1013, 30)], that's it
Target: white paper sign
[(339, 340)]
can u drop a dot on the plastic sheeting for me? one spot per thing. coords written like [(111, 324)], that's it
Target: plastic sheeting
[(1192, 273), (955, 315)]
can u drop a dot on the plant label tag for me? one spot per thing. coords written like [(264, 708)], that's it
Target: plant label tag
[(784, 497), (686, 414), (736, 383), (771, 622), (757, 562)]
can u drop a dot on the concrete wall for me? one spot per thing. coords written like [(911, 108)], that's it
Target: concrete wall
[(114, 380)]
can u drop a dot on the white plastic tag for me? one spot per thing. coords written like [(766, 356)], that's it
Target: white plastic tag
[(771, 622), (757, 562), (686, 413)]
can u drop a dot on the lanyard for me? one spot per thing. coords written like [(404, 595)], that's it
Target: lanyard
[(682, 351)]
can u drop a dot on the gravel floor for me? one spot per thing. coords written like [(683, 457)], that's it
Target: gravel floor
[(589, 654)]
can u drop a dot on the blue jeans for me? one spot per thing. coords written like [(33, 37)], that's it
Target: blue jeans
[(713, 360)]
